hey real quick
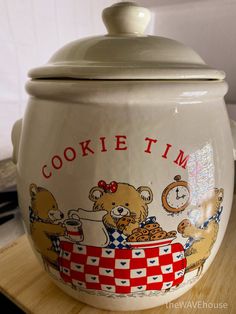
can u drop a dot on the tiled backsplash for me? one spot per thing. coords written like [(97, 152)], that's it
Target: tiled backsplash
[(30, 32)]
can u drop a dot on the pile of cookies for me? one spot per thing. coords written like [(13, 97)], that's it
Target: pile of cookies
[(150, 232)]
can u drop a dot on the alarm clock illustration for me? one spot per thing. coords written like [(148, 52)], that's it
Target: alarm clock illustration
[(176, 196)]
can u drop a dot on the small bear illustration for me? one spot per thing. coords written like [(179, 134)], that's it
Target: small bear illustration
[(126, 206), (44, 213), (202, 229)]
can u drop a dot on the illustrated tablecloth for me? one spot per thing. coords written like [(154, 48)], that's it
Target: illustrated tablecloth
[(122, 271)]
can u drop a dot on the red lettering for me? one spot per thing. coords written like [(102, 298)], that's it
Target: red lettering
[(56, 166), (150, 141), (72, 153), (102, 139), (180, 160), (119, 142), (85, 147), (168, 146), (44, 173)]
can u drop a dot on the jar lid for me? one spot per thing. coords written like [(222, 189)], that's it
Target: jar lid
[(126, 53)]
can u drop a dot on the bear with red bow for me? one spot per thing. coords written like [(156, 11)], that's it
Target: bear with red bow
[(126, 206)]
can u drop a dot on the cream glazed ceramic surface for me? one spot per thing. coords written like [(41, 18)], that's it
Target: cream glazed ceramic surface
[(125, 185)]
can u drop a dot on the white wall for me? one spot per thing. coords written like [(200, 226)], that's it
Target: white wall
[(208, 26)]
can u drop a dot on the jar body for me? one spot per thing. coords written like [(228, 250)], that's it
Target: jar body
[(155, 157)]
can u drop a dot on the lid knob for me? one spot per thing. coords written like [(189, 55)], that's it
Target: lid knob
[(126, 18)]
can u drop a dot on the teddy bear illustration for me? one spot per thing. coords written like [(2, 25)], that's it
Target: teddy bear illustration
[(202, 229), (44, 214), (126, 206)]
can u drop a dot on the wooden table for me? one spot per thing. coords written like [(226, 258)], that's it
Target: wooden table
[(24, 282)]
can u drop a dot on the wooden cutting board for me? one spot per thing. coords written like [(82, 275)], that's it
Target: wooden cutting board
[(24, 282)]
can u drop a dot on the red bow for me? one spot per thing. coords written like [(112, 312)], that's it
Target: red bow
[(111, 187)]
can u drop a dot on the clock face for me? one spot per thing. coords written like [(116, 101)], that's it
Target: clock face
[(178, 197)]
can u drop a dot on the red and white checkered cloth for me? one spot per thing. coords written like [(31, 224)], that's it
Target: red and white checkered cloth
[(122, 271)]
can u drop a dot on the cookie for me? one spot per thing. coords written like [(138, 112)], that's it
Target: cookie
[(153, 231), (171, 234), (123, 222), (141, 230), (151, 226), (133, 237), (183, 224), (143, 238), (158, 236)]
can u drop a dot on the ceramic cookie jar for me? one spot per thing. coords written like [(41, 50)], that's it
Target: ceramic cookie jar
[(125, 165)]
